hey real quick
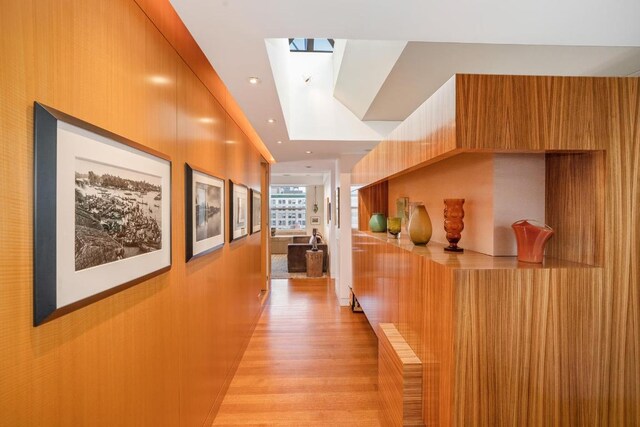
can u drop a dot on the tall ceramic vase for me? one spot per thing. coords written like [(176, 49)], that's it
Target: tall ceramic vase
[(531, 239), (420, 225), (453, 223)]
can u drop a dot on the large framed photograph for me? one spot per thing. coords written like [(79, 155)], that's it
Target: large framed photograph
[(238, 211), (256, 211), (204, 212), (102, 213)]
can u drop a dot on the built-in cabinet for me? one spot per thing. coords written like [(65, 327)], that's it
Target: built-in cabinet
[(503, 342)]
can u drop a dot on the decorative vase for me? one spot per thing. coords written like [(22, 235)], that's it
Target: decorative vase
[(393, 227), (420, 225), (531, 239), (453, 223), (378, 223)]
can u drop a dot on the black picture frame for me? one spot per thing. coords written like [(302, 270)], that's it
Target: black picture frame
[(56, 136), (255, 197), (193, 247), (238, 193)]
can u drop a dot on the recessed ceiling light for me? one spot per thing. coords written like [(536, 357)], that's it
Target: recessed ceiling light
[(308, 152), (286, 174), (206, 120), (254, 80), (279, 142), (229, 141), (271, 120), (308, 167)]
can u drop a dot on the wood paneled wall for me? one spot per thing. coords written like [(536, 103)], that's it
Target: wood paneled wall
[(372, 199), (560, 346), (161, 352), (427, 135)]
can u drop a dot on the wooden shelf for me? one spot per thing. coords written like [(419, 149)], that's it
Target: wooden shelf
[(470, 260)]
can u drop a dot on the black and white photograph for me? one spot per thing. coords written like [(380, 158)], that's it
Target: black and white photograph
[(102, 213), (204, 212), (117, 214), (238, 208), (207, 211), (256, 211)]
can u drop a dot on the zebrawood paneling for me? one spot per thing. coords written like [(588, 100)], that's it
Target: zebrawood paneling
[(558, 345), (427, 135), (399, 379), (372, 199), (575, 206), (528, 350), (528, 113), (161, 352)]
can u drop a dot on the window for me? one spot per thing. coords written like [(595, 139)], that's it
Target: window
[(311, 45), (288, 207)]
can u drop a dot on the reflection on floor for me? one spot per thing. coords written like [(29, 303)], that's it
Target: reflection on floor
[(279, 268), (309, 362)]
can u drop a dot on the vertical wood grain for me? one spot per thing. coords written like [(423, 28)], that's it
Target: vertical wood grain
[(428, 134), (161, 352), (558, 346), (372, 199)]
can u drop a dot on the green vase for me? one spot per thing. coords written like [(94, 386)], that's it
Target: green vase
[(378, 223), (420, 226), (393, 227)]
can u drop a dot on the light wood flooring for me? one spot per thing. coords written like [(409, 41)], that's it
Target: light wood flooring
[(309, 362)]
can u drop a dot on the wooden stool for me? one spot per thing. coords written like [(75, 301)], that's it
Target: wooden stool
[(314, 263)]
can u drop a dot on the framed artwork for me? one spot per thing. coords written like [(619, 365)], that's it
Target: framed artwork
[(238, 211), (102, 213), (338, 206), (315, 220), (328, 211), (402, 209), (204, 212), (256, 211)]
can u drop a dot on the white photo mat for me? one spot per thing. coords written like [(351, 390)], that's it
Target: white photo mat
[(77, 143), (211, 242)]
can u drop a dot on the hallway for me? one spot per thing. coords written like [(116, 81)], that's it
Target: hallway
[(309, 362)]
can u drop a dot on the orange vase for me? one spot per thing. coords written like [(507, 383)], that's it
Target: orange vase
[(531, 240), (453, 223)]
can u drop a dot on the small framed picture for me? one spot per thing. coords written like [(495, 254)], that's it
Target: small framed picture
[(338, 206), (256, 211), (328, 211), (238, 211), (102, 213), (315, 220), (204, 212)]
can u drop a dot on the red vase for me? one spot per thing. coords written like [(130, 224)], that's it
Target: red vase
[(531, 240), (453, 223)]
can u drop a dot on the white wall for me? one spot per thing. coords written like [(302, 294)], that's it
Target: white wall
[(363, 70), (315, 192)]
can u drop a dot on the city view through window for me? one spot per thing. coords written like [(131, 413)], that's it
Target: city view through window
[(288, 207)]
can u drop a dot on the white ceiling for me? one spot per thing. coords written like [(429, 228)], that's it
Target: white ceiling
[(232, 34), (423, 67)]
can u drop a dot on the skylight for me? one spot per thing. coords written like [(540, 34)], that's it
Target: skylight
[(311, 45)]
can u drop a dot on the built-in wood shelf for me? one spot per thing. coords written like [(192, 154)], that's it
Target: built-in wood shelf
[(399, 379), (502, 342), (470, 260)]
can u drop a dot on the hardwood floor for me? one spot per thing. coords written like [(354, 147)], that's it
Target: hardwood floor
[(309, 362)]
